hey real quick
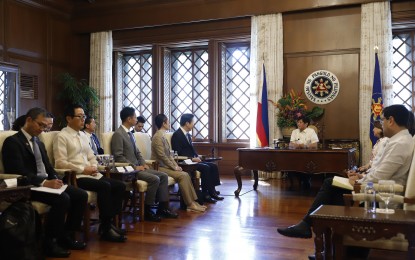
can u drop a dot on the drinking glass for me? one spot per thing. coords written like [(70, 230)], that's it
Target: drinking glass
[(386, 192)]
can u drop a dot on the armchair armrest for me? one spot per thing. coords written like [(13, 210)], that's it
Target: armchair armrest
[(9, 176), (153, 164), (68, 174)]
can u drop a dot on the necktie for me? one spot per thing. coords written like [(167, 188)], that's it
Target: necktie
[(133, 141), (189, 138), (93, 145), (41, 171)]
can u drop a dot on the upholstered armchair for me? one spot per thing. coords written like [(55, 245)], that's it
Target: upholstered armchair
[(136, 186), (143, 142), (40, 207), (396, 243)]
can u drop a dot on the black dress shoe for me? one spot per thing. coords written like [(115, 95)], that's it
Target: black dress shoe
[(150, 216), (311, 257), (69, 243), (209, 199), (112, 236), (301, 230), (120, 231), (216, 197), (166, 213), (52, 249)]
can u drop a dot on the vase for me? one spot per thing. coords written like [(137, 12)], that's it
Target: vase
[(286, 131)]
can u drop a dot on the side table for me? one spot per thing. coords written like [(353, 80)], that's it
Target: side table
[(337, 221)]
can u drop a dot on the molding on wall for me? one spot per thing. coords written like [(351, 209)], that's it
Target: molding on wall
[(58, 7), (322, 53), (100, 16)]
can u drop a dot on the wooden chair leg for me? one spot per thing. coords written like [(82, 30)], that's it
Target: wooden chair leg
[(87, 222), (134, 205), (141, 201)]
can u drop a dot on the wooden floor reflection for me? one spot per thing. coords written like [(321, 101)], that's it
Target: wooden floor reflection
[(235, 228)]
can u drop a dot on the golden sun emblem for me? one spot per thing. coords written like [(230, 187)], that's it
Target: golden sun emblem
[(377, 108), (321, 87)]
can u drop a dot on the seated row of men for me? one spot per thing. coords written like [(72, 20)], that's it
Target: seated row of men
[(23, 153)]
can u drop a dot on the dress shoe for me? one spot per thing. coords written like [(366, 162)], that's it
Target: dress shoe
[(70, 243), (311, 257), (301, 230), (166, 213), (120, 231), (217, 192), (112, 236), (209, 199), (150, 216), (52, 249), (216, 197)]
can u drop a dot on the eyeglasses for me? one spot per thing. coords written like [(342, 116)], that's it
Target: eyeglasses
[(80, 116), (382, 119), (41, 125)]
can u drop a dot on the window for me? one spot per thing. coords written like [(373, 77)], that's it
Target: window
[(218, 95), (137, 85), (403, 69), (190, 89), (235, 95), (8, 95)]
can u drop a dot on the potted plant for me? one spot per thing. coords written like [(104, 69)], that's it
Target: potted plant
[(290, 107), (78, 92)]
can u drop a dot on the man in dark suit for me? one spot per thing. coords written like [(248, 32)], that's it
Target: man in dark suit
[(181, 142), (24, 154), (89, 130)]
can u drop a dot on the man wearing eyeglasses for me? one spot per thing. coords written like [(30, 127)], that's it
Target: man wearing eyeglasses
[(23, 153), (72, 151), (392, 164)]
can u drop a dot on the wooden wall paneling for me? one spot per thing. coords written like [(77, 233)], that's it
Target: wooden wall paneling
[(26, 30), (117, 15), (182, 33), (322, 30), (79, 59), (403, 15), (59, 38), (2, 22), (54, 86), (59, 51), (341, 116), (329, 40), (31, 67)]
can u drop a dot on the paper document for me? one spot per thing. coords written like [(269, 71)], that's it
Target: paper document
[(97, 177), (189, 161), (50, 190), (10, 183), (342, 182)]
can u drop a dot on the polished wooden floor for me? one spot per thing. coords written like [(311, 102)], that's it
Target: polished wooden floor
[(236, 228)]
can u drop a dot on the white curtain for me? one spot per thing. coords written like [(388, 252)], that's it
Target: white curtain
[(267, 49), (376, 30), (100, 78)]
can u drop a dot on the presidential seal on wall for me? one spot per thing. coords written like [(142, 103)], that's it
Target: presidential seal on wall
[(321, 87)]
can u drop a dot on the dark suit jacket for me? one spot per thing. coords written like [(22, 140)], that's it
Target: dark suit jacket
[(180, 144), (18, 158)]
